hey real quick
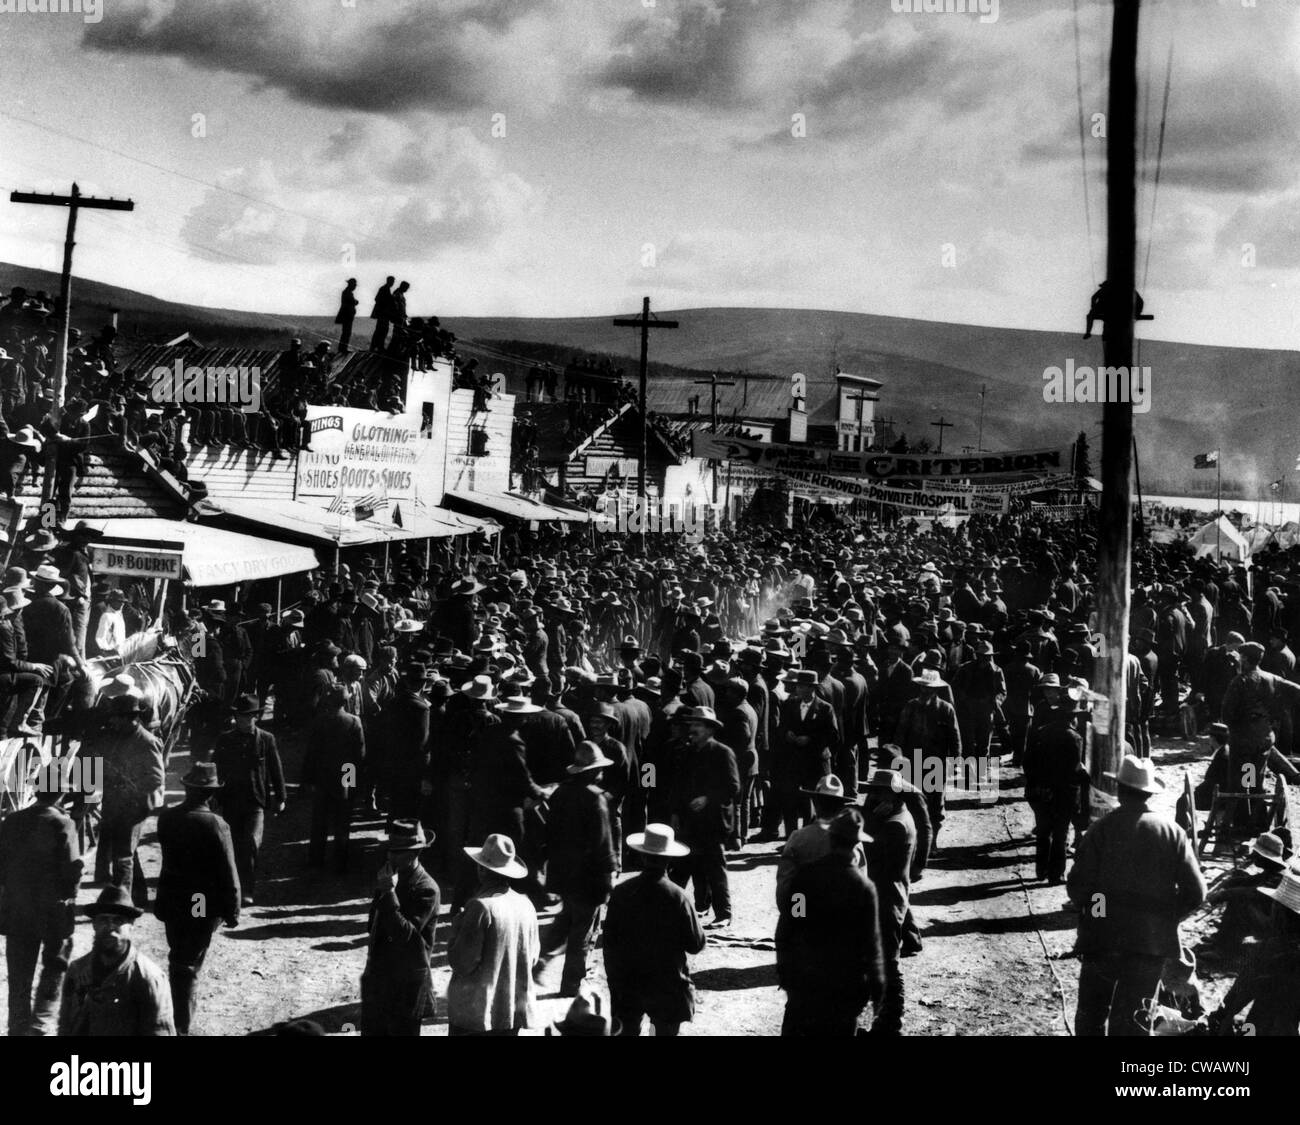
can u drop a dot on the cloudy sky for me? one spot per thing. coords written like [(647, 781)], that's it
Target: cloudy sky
[(564, 157)]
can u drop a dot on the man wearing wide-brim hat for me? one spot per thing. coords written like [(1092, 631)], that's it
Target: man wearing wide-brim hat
[(1254, 706), (248, 763), (828, 943), (115, 990), (650, 929), (807, 738), (706, 790), (1245, 913), (1134, 877), (397, 986), (493, 948), (581, 863), (810, 843), (198, 887), (133, 788), (928, 724), (891, 866)]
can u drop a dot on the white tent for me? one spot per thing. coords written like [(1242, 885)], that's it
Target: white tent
[(1257, 538), (1219, 536)]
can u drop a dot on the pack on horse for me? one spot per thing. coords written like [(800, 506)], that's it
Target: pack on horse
[(151, 665)]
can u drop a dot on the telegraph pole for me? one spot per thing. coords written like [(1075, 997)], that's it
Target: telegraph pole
[(979, 441), (1115, 536), (941, 425), (713, 383), (644, 323), (74, 202)]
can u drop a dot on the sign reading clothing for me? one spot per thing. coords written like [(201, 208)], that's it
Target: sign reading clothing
[(136, 562), (358, 452)]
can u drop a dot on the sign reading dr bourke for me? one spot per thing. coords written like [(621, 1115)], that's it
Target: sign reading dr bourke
[(136, 562)]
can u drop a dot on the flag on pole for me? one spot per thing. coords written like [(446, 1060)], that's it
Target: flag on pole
[(371, 503), (339, 504), (1206, 460)]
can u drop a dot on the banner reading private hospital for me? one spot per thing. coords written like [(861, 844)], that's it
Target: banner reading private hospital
[(912, 500), (880, 466), (355, 452)]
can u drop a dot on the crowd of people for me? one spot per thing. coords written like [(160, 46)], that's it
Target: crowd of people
[(538, 724)]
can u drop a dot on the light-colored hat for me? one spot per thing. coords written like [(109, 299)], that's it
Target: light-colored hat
[(517, 705), (480, 687), (1287, 893), (408, 625), (1269, 846), (498, 854), (1137, 773), (587, 756), (930, 678), (828, 786), (657, 839), (47, 574)]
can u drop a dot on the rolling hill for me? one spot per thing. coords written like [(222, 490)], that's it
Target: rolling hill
[(1241, 400)]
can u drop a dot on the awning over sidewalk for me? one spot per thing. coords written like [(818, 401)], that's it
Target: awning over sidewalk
[(520, 507), (213, 556), (306, 521)]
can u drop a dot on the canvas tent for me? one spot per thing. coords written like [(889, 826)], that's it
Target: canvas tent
[(1220, 537)]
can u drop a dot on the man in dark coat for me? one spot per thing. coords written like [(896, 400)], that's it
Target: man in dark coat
[(382, 314), (740, 732), (650, 929), (397, 986), (854, 734), (895, 689), (198, 886), (1134, 877), (828, 949), (347, 314), (618, 779), (252, 776), (331, 773), (929, 724), (405, 722), (1054, 773), (581, 865), (806, 741), (706, 792), (40, 870), (890, 858)]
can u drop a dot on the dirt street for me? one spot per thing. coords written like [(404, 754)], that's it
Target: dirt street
[(996, 957)]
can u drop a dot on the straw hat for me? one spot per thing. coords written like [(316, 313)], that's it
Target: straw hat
[(498, 854), (657, 839), (1287, 893), (930, 678), (517, 705), (480, 687)]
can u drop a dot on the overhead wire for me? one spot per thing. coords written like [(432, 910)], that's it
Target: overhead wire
[(1083, 144)]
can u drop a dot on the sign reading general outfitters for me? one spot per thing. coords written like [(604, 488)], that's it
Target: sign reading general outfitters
[(880, 466), (137, 562), (355, 452)]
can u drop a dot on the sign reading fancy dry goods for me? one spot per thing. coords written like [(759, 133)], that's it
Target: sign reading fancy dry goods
[(354, 454), (881, 466)]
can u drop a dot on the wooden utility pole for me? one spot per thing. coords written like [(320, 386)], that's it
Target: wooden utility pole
[(74, 202), (1116, 531), (644, 323), (713, 383), (941, 425), (979, 441)]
